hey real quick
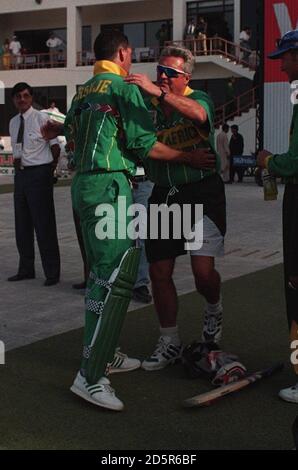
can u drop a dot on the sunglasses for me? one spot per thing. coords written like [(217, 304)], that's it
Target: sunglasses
[(170, 72)]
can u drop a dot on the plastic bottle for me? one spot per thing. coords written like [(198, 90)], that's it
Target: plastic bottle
[(269, 186)]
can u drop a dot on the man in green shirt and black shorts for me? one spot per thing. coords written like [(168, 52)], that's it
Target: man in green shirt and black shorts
[(286, 165), (183, 120)]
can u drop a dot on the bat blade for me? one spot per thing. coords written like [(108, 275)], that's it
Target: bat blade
[(207, 398)]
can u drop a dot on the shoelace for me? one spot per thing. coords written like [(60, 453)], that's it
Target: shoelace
[(108, 388), (212, 321), (160, 347)]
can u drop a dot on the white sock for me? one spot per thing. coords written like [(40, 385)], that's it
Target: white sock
[(173, 333), (214, 309)]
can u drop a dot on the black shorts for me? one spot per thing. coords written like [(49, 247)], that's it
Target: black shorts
[(211, 193), (290, 229)]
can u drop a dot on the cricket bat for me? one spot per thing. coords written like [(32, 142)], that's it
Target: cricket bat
[(205, 399)]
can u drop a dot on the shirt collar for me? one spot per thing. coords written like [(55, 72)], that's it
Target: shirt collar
[(106, 66), (27, 113)]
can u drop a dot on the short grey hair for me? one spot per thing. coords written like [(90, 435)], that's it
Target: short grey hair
[(178, 51)]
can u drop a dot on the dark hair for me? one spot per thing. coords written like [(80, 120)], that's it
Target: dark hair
[(107, 44), (21, 86), (225, 127), (234, 126)]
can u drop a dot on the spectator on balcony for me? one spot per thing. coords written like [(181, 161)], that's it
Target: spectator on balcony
[(15, 49), (201, 33), (162, 35), (6, 59), (244, 38), (54, 43), (223, 150), (190, 34)]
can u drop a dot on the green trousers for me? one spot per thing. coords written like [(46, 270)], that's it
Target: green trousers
[(95, 198)]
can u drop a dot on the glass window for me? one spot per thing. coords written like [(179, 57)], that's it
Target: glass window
[(141, 34), (35, 41), (135, 33), (151, 29), (86, 38), (219, 15)]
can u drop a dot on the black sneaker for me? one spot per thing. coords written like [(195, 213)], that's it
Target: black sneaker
[(142, 294)]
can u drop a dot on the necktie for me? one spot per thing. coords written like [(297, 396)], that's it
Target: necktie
[(20, 138)]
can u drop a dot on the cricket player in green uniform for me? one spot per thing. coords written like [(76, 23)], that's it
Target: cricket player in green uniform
[(286, 165), (110, 127), (183, 120)]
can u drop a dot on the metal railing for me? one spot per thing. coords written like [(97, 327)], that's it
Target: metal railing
[(236, 107), (139, 54), (220, 46), (33, 61), (200, 47)]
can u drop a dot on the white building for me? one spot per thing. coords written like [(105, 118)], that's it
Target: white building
[(77, 23)]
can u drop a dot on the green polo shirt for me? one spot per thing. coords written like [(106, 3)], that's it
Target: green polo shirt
[(286, 164), (182, 134), (109, 123)]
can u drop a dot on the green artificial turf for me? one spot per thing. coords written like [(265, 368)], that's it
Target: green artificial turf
[(37, 410)]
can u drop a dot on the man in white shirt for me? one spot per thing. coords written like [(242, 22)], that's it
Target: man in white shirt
[(34, 162), (223, 150), (244, 38), (53, 43), (15, 49)]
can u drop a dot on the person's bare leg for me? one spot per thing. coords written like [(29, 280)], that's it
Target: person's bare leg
[(208, 282), (164, 292)]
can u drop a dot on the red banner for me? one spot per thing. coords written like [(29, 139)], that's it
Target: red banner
[(280, 16)]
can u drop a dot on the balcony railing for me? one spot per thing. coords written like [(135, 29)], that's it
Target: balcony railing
[(236, 107), (33, 61), (139, 54), (219, 46), (200, 47)]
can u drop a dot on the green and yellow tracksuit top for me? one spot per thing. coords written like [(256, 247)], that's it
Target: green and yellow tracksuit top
[(109, 123)]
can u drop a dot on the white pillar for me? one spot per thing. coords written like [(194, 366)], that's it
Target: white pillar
[(70, 92), (237, 20), (179, 19), (74, 35)]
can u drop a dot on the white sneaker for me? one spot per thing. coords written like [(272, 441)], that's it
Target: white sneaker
[(101, 393), (289, 394), (212, 329), (123, 363), (165, 353)]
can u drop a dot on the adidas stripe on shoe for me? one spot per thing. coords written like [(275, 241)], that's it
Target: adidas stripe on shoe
[(123, 363), (166, 353), (100, 394)]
